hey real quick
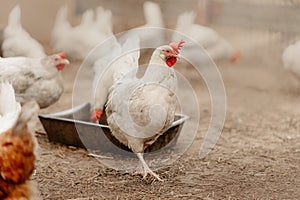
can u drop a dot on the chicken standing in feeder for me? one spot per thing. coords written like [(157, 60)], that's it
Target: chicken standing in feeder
[(140, 110)]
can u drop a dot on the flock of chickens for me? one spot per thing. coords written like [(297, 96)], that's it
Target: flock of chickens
[(33, 79)]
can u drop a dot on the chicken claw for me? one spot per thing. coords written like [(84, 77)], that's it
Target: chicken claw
[(146, 169)]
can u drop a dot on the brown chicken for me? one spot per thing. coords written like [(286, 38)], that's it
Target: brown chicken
[(17, 157)]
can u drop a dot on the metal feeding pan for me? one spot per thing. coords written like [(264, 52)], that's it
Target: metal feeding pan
[(72, 127)]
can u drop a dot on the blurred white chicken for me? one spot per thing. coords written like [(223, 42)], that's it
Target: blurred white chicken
[(291, 59), (140, 110), (17, 41), (9, 107), (151, 33), (217, 47), (88, 34), (35, 78), (106, 75)]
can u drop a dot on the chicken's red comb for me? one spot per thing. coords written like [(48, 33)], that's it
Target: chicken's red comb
[(62, 55), (176, 46)]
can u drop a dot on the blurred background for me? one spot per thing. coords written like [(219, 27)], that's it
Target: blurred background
[(130, 14), (245, 24)]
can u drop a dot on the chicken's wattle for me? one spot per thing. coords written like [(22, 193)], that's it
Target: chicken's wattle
[(60, 67), (171, 61)]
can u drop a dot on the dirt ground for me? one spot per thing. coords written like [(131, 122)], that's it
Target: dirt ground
[(256, 157)]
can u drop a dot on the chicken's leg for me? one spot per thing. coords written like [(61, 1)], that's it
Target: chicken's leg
[(146, 168)]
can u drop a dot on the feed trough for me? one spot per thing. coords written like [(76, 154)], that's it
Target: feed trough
[(72, 127)]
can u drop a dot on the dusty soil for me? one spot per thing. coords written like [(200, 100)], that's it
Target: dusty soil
[(256, 157)]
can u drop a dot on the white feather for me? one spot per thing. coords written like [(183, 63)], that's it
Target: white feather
[(153, 15), (9, 108), (151, 34), (110, 68), (104, 20), (291, 59), (61, 26)]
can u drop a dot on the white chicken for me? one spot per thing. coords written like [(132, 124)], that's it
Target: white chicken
[(291, 59), (9, 107), (106, 75), (140, 110), (217, 47), (86, 35), (17, 41), (152, 32), (35, 78)]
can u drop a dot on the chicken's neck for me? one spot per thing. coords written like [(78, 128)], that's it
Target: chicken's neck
[(158, 72)]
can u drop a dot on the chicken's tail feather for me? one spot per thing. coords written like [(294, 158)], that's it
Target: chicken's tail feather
[(14, 18), (288, 54), (61, 24), (29, 110), (106, 56), (61, 18), (7, 98), (153, 15), (104, 20), (87, 18), (186, 19)]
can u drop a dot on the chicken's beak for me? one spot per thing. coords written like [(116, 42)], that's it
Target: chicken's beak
[(65, 61), (178, 56)]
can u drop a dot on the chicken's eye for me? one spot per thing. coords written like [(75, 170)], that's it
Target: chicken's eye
[(168, 51), (55, 59)]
